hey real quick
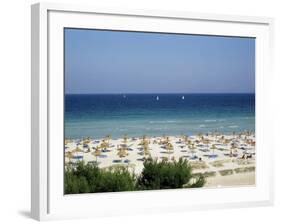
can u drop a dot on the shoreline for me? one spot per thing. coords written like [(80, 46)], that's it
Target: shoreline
[(218, 157)]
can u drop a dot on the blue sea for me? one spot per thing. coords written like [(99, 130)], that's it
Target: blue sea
[(97, 115)]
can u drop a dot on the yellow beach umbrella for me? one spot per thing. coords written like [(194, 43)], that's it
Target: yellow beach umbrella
[(143, 140), (77, 149), (192, 148), (108, 138), (96, 153), (185, 138), (169, 147), (69, 155), (146, 150), (125, 138), (104, 144), (232, 148), (122, 153), (213, 147)]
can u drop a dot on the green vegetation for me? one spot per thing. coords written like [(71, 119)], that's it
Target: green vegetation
[(245, 169), (226, 172), (167, 175), (89, 178), (206, 174), (217, 163), (198, 165)]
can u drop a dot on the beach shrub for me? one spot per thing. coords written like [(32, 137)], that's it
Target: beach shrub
[(166, 175), (115, 179), (88, 178), (75, 184), (198, 181)]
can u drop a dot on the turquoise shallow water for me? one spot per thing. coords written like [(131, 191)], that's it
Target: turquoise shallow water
[(137, 114)]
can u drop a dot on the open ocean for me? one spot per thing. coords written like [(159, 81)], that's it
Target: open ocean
[(97, 115)]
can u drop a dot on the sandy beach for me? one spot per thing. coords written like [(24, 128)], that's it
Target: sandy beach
[(225, 160)]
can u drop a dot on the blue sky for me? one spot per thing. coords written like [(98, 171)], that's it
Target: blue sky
[(134, 62)]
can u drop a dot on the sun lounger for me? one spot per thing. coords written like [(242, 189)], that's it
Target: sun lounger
[(193, 157), (204, 150), (117, 161), (127, 161), (213, 156)]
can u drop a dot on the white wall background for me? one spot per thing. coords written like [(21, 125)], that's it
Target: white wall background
[(15, 110)]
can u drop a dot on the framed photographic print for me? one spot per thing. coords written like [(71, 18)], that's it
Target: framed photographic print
[(161, 111)]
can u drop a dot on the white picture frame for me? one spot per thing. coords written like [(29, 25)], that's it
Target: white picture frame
[(47, 198)]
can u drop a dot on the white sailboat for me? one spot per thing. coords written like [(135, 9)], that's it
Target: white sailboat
[(182, 97), (157, 98)]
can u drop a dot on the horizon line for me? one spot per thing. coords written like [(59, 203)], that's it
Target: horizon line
[(159, 93)]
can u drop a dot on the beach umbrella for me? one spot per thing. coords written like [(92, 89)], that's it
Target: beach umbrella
[(85, 146), (221, 140), (163, 140), (192, 148), (118, 148), (85, 141), (143, 140), (88, 149), (122, 153), (146, 150), (200, 136), (169, 147), (226, 141), (181, 137), (232, 149), (185, 138), (104, 144), (96, 153), (66, 141), (206, 141), (213, 147), (167, 139), (251, 142), (69, 155), (125, 138), (77, 149), (107, 139)]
